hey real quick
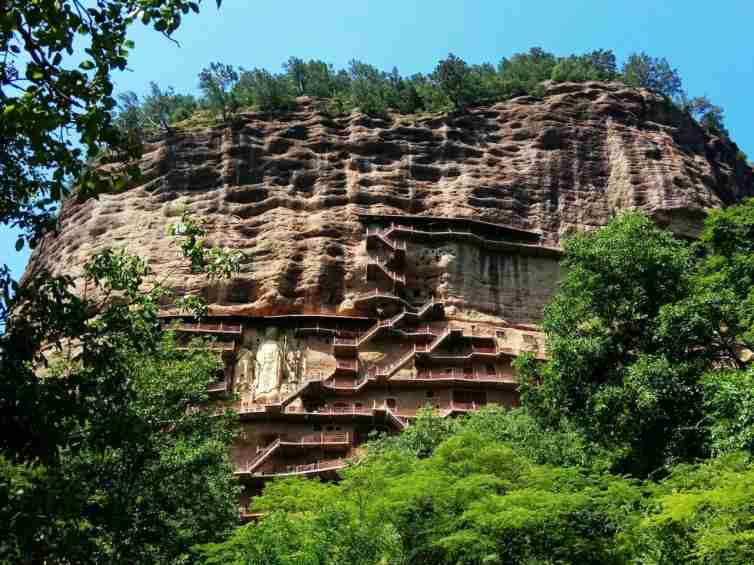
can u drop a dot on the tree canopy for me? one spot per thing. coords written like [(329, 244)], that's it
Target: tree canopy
[(111, 452), (633, 443), (57, 107), (453, 85)]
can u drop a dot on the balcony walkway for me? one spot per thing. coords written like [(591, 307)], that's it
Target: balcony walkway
[(463, 232), (340, 440), (203, 327)]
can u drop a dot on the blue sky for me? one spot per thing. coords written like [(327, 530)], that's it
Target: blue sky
[(709, 42)]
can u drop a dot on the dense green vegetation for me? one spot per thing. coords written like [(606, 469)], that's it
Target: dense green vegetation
[(109, 451), (107, 454), (633, 444), (453, 85)]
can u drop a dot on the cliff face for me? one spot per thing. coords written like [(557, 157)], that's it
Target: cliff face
[(290, 192)]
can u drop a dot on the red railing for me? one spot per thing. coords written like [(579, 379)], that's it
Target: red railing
[(214, 345), (386, 370), (465, 405), (315, 329), (217, 387), (444, 409), (261, 454), (330, 410), (204, 327), (445, 232), (393, 275), (379, 294), (350, 384), (347, 364), (463, 375), (357, 340), (474, 350), (320, 438), (385, 237), (316, 467)]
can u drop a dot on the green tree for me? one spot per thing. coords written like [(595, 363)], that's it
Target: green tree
[(709, 116), (314, 524), (700, 514), (130, 117), (370, 88), (596, 65), (454, 78), (164, 107), (729, 408), (421, 438), (104, 421), (297, 71), (617, 368), (523, 73), (158, 111), (324, 82), (46, 90), (653, 73), (217, 82), (263, 90), (604, 61), (472, 500), (647, 341)]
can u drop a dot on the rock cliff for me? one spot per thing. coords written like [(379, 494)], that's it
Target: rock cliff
[(291, 191)]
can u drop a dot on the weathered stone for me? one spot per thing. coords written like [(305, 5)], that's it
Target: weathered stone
[(287, 191), (392, 264)]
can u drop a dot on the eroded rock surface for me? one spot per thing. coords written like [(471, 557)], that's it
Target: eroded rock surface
[(288, 190)]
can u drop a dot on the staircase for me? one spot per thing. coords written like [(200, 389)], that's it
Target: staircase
[(383, 236), (352, 344), (260, 457), (386, 370), (381, 265)]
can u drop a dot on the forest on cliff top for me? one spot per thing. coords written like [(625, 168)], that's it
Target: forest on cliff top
[(453, 85), (633, 443)]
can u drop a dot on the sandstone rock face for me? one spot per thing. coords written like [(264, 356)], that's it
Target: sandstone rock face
[(287, 190), (393, 263)]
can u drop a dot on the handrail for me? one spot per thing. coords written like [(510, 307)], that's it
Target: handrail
[(393, 416), (385, 237), (330, 410), (218, 327), (449, 232), (332, 383), (219, 386), (219, 345), (310, 439), (388, 370), (431, 375), (473, 352), (320, 438), (347, 364), (318, 466), (261, 455), (465, 405), (394, 275), (390, 322), (382, 293)]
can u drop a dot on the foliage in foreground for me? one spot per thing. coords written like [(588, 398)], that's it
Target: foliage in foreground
[(645, 339), (633, 443), (109, 452), (56, 99), (476, 498)]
